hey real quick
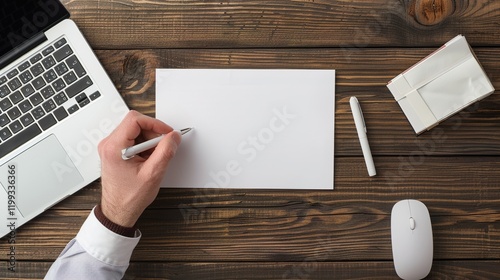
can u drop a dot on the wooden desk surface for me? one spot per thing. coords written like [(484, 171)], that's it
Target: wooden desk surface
[(340, 234)]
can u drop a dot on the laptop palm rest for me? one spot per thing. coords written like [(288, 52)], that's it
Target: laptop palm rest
[(54, 171)]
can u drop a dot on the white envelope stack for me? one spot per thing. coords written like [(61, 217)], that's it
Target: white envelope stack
[(440, 85)]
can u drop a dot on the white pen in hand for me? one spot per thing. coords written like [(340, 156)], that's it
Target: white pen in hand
[(130, 152), (359, 121)]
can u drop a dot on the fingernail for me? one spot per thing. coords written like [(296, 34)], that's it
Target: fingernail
[(179, 136)]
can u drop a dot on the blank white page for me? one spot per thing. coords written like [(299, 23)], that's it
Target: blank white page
[(262, 129)]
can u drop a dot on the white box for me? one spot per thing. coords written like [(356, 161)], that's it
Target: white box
[(440, 85)]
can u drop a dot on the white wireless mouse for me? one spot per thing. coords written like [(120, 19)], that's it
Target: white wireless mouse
[(411, 236)]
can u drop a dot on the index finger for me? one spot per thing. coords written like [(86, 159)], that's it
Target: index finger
[(133, 125)]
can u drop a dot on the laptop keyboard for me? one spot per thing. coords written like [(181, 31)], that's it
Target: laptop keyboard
[(35, 94)]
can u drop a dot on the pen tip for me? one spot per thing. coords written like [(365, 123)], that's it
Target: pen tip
[(186, 130)]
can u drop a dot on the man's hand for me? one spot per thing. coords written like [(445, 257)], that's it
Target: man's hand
[(129, 186)]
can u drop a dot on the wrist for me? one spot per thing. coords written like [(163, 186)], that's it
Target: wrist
[(119, 215), (124, 230)]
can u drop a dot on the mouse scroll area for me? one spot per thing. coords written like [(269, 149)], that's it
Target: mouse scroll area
[(412, 223)]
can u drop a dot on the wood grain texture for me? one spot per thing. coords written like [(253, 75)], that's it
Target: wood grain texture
[(350, 223), (470, 185), (360, 72), (286, 234), (269, 234), (432, 12), (283, 24), (313, 268)]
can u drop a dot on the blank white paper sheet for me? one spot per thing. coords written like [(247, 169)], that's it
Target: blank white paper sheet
[(259, 129)]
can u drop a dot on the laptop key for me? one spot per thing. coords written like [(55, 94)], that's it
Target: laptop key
[(80, 97), (49, 105), (47, 122), (14, 113), (24, 66), (36, 58), (15, 127), (63, 53), (14, 84), (75, 64), (48, 50), (25, 77), (16, 97), (61, 68), (95, 95), (38, 112), (27, 119), (19, 139), (50, 76), (12, 73), (25, 106), (60, 113), (58, 85), (27, 90), (4, 120), (36, 99), (84, 102), (60, 98), (48, 62), (37, 69), (78, 86), (72, 109), (5, 104), (60, 43), (4, 91), (70, 78), (38, 83), (5, 134), (47, 91)]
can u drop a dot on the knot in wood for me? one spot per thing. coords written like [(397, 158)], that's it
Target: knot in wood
[(432, 12)]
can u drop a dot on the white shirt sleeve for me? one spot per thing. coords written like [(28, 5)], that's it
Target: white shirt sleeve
[(95, 253)]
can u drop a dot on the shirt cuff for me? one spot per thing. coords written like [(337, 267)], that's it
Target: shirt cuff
[(105, 245), (125, 231)]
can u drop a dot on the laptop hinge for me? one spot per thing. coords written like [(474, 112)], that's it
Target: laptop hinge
[(22, 49)]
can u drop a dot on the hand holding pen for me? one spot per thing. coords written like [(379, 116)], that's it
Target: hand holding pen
[(129, 186), (130, 152)]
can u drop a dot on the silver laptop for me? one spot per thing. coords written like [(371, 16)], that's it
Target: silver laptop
[(56, 104)]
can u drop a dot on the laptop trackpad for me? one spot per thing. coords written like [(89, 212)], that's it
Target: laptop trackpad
[(45, 174)]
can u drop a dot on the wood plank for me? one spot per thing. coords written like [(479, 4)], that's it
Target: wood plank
[(312, 268), (283, 24), (350, 223), (471, 183), (269, 235), (362, 72)]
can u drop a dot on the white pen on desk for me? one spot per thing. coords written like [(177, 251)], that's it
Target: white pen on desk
[(130, 152), (359, 121)]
